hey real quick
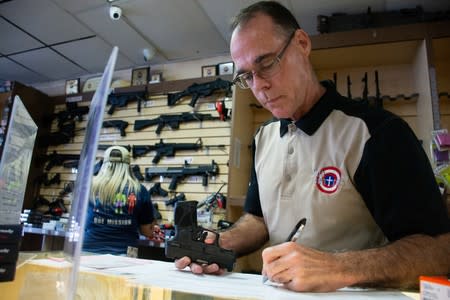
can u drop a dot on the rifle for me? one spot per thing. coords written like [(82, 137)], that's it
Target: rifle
[(197, 90), (56, 179), (176, 173), (175, 199), (105, 146), (122, 99), (119, 124), (189, 239), (378, 100), (73, 164), (365, 94), (173, 121), (73, 112), (64, 135), (167, 149), (214, 199), (56, 159), (349, 89)]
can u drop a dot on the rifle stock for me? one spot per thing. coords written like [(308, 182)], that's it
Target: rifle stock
[(141, 124), (177, 173), (119, 124), (122, 99)]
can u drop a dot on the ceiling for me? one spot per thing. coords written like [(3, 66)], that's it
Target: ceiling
[(49, 40)]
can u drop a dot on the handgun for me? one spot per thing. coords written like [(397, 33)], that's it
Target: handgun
[(189, 239)]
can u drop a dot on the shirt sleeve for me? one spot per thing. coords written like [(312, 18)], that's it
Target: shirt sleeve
[(252, 202), (398, 185)]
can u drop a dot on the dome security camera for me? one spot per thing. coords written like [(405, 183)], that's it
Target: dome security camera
[(115, 12)]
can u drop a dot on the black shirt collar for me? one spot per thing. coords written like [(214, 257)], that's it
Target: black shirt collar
[(312, 120)]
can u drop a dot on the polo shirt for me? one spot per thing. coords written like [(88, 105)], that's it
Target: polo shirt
[(358, 174)]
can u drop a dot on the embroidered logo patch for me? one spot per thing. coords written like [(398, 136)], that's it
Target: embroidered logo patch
[(328, 179)]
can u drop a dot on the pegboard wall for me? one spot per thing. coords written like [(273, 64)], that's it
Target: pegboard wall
[(213, 134)]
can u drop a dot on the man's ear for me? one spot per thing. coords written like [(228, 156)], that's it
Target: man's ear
[(302, 39)]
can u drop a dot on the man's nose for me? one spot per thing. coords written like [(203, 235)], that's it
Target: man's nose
[(260, 82)]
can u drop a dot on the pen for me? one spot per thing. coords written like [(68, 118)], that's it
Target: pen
[(295, 233), (293, 236)]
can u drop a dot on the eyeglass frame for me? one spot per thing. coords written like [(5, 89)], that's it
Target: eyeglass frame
[(238, 80)]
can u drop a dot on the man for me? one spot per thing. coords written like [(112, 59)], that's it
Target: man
[(357, 174)]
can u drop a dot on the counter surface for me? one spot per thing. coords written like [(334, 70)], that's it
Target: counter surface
[(45, 276)]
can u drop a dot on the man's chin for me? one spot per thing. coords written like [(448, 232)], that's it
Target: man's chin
[(280, 114)]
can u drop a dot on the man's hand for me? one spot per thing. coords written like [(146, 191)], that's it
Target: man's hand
[(197, 268), (396, 265), (302, 269)]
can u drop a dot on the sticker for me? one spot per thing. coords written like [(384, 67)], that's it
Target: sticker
[(328, 179)]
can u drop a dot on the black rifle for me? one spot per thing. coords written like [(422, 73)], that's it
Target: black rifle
[(378, 99), (189, 239), (365, 94), (122, 99), (73, 164), (175, 199), (56, 179), (158, 190), (167, 149), (56, 159), (349, 88), (104, 147), (173, 121), (197, 90), (176, 173), (119, 124), (63, 135), (73, 112)]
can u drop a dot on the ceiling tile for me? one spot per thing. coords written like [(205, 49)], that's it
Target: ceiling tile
[(94, 54), (80, 5), (10, 69), (192, 34), (49, 63), (15, 40), (117, 32), (44, 20)]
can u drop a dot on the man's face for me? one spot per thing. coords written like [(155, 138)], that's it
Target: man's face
[(283, 93)]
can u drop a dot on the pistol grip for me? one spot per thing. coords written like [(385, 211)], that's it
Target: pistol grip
[(111, 109)]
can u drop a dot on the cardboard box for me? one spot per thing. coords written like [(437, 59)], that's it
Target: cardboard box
[(434, 288)]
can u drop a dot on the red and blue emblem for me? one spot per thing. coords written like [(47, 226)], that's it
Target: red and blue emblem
[(328, 179)]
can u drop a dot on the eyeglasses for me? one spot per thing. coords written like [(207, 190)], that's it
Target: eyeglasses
[(267, 68)]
